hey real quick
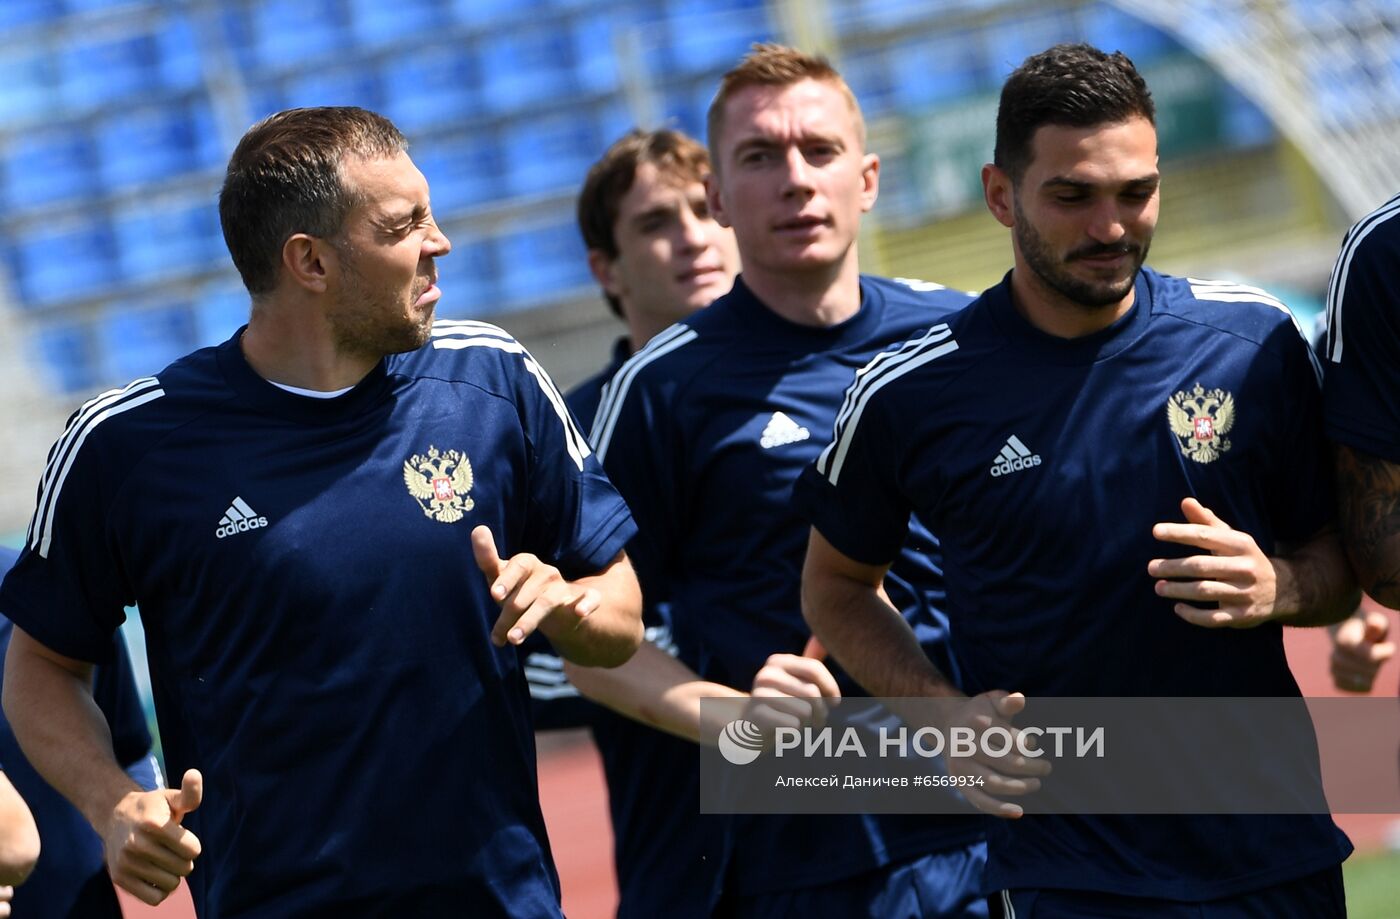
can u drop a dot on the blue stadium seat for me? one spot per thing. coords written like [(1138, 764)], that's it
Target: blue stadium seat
[(19, 13), (468, 280), (221, 309), (431, 88), (375, 22), (142, 145), (682, 109), (525, 66), (548, 153), (614, 120), (98, 71), (714, 34), (934, 70), (30, 87), (43, 167), (463, 170), (595, 39), (166, 239), (1107, 27), (139, 339), (287, 33), (178, 44), (63, 261), (67, 353), (541, 263), (352, 85), (492, 14)]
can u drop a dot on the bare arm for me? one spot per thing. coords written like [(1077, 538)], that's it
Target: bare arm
[(655, 689), (1316, 585), (1368, 493), (845, 604), (595, 620), (48, 700), (19, 837)]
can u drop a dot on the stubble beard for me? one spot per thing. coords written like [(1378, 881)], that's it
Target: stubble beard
[(1049, 267)]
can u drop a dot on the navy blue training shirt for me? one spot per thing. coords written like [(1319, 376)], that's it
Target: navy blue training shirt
[(317, 628), (705, 431), (1361, 386), (1044, 463)]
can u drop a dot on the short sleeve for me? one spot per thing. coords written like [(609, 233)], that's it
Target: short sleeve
[(1362, 367), (638, 440), (852, 493), (67, 589), (577, 519), (1303, 499)]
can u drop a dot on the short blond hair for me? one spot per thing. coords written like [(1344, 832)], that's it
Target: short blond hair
[(775, 65)]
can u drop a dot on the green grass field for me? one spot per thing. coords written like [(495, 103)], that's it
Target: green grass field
[(1373, 886)]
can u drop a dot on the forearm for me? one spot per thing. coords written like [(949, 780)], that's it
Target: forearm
[(1368, 492), (611, 633), (48, 701), (1315, 583), (654, 689), (19, 838), (862, 631)]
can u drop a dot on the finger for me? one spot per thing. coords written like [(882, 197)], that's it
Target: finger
[(511, 580), (1205, 618), (1196, 512), (1212, 539), (151, 896), (1009, 704), (1376, 626), (989, 805), (154, 875), (799, 676), (1200, 567), (484, 550), (814, 649), (1199, 591), (526, 624), (190, 796), (157, 851), (588, 602)]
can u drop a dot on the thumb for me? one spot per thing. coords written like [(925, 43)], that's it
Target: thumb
[(814, 649), (190, 795), (484, 548), (1196, 512), (1377, 627), (1010, 704)]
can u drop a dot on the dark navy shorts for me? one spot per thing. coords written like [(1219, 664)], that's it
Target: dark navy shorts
[(946, 885), (1315, 896)]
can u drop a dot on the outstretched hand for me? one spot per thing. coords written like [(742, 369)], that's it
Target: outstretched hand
[(1235, 574), (147, 849), (528, 590)]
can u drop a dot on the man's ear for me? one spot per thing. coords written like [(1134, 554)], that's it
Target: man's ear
[(308, 260), (601, 265), (998, 192), (715, 201)]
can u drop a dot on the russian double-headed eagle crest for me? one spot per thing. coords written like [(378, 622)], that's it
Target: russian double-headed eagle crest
[(439, 482), (1200, 420)]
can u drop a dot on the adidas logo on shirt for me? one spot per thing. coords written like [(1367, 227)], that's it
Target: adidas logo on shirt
[(1013, 458), (782, 430), (239, 518)]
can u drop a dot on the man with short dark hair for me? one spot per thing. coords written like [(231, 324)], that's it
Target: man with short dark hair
[(706, 429), (297, 512), (1052, 433)]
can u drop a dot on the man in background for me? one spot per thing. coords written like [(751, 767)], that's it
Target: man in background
[(706, 429), (1361, 393)]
